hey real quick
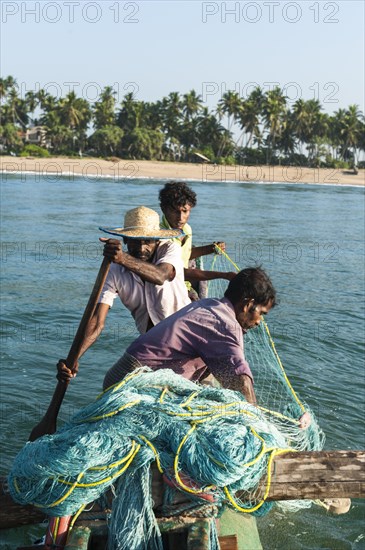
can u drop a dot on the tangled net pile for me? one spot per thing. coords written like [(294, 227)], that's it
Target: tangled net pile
[(207, 440)]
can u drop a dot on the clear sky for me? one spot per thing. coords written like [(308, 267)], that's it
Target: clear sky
[(309, 48)]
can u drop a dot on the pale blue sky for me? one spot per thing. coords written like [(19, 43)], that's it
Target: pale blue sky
[(311, 49)]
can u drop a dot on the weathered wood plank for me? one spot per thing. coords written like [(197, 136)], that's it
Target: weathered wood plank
[(15, 515), (317, 490), (320, 474), (228, 542), (308, 475)]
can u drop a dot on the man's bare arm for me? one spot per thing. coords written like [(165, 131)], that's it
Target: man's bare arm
[(206, 249), (94, 327), (202, 275), (156, 274), (241, 383), (92, 333)]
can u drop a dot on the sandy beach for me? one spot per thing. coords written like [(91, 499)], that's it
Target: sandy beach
[(125, 169)]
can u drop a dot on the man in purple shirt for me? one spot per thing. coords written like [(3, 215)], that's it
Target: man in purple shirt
[(205, 337)]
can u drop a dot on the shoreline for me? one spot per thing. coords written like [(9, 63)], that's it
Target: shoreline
[(90, 168)]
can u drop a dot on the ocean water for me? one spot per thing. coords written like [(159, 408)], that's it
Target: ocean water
[(309, 238)]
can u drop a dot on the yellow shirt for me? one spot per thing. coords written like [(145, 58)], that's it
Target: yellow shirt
[(185, 243)]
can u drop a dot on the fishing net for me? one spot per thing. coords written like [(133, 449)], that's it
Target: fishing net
[(275, 394), (208, 442)]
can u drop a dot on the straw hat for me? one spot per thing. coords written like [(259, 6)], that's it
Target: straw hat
[(142, 223)]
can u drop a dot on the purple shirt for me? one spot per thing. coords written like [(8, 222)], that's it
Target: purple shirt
[(200, 335)]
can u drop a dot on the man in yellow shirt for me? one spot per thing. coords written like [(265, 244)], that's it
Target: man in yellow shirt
[(176, 201)]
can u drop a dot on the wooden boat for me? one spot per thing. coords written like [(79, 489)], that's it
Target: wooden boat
[(336, 475)]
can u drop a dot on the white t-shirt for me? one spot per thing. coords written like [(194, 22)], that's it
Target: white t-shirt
[(147, 300)]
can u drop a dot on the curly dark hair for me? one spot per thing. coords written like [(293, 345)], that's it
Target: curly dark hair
[(176, 194), (251, 283)]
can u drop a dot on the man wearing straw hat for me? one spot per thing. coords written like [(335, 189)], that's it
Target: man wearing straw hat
[(149, 278)]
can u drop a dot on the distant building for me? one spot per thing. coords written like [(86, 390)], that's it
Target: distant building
[(36, 136)]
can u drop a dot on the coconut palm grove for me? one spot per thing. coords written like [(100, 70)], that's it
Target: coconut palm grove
[(263, 128)]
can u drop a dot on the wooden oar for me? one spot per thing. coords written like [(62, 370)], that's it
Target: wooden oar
[(48, 423)]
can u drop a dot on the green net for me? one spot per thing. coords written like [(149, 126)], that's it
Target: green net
[(208, 442), (274, 392)]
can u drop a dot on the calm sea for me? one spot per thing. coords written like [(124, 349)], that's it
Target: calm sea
[(309, 238)]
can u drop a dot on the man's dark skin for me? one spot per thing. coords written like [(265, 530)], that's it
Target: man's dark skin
[(177, 218), (138, 260)]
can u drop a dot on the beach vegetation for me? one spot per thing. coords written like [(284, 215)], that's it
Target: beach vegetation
[(31, 150), (107, 140), (10, 138), (263, 128)]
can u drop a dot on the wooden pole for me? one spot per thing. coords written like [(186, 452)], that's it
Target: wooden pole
[(48, 423)]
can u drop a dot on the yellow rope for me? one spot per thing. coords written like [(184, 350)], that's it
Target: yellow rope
[(262, 450), (55, 528), (162, 396), (279, 415), (221, 251), (176, 466), (76, 516), (158, 463), (101, 481), (115, 464), (321, 503), (112, 413), (190, 398), (274, 453), (66, 495), (281, 366), (118, 385)]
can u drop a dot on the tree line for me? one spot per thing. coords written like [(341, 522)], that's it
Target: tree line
[(263, 128)]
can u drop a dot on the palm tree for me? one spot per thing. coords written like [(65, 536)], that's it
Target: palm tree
[(191, 107), (300, 121), (126, 118), (6, 84), (350, 131), (107, 140), (249, 120), (274, 113), (230, 104), (287, 141), (191, 104), (214, 140), (172, 115), (144, 143), (310, 125), (104, 108), (32, 102), (318, 136), (9, 137), (17, 108), (74, 111)]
